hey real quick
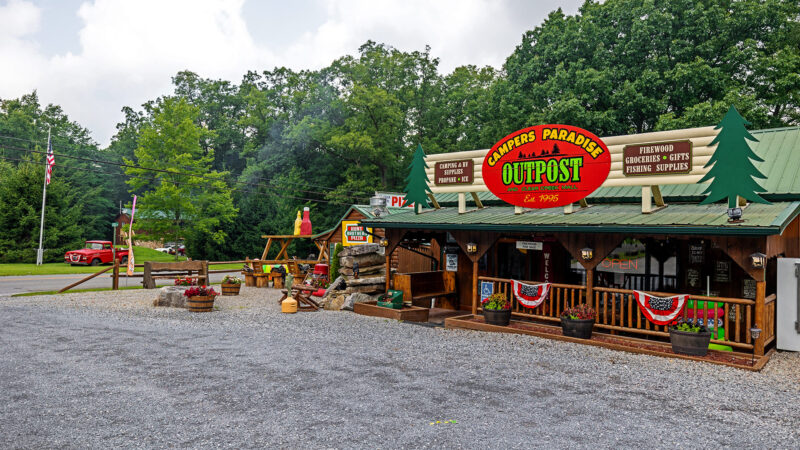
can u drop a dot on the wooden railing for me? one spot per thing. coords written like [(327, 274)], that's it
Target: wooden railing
[(561, 296), (617, 312)]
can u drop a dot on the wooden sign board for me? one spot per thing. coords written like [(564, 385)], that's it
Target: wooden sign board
[(662, 158), (353, 233), (454, 172), (529, 245)]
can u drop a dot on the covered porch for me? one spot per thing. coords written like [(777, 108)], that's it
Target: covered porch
[(600, 255)]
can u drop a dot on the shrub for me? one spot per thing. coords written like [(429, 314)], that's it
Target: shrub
[(231, 280), (495, 302), (201, 291), (335, 261), (580, 312)]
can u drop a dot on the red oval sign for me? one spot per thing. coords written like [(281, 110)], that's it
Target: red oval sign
[(546, 166)]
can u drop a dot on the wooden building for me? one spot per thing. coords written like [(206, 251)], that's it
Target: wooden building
[(644, 233)]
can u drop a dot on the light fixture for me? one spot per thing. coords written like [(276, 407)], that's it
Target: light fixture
[(384, 242), (472, 247), (755, 332), (734, 215), (758, 260), (587, 254)]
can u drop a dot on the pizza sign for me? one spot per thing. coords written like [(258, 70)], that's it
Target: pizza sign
[(546, 166), (353, 233)]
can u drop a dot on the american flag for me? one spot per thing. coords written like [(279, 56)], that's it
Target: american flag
[(51, 161)]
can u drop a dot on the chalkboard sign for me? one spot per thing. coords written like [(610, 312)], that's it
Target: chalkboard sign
[(697, 253), (722, 271), (749, 288), (693, 277)]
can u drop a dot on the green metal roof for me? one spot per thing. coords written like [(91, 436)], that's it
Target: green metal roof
[(609, 218), (778, 147)]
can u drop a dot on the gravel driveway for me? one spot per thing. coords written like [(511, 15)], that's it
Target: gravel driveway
[(107, 370)]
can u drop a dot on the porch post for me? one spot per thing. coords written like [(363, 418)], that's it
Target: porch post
[(474, 287), (388, 270), (589, 286), (761, 289)]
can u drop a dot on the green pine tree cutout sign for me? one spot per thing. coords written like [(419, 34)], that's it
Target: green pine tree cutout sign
[(417, 188), (732, 171)]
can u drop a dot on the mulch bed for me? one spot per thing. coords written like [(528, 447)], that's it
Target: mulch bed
[(633, 344)]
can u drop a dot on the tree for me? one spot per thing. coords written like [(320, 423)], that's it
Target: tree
[(732, 170), (417, 188), (20, 209), (185, 198)]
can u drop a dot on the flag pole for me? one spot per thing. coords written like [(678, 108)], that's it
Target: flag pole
[(40, 252)]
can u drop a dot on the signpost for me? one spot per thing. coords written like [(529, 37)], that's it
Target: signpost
[(546, 166), (454, 172), (662, 158)]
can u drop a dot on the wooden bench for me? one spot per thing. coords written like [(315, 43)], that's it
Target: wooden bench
[(418, 287), (176, 269)]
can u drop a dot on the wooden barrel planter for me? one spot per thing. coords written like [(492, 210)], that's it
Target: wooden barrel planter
[(577, 328), (694, 344), (231, 289), (500, 317), (204, 303)]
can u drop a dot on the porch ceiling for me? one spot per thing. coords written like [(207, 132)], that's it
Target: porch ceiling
[(603, 218)]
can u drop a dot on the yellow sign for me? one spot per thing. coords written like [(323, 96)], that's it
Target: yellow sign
[(353, 233)]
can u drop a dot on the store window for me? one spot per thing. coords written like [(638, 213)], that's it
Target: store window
[(647, 264)]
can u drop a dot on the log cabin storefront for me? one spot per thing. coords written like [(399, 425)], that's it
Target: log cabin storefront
[(634, 233)]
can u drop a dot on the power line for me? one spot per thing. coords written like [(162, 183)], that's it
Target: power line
[(74, 147), (171, 172), (193, 183)]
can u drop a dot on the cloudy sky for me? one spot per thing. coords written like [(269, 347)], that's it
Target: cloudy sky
[(93, 57)]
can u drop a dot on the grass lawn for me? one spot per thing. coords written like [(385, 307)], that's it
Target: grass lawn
[(141, 254), (72, 291)]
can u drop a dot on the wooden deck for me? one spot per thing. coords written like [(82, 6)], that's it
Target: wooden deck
[(622, 343), (408, 313)]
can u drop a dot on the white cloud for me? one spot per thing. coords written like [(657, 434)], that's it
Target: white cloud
[(129, 50)]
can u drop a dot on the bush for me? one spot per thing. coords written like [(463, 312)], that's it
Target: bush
[(335, 261)]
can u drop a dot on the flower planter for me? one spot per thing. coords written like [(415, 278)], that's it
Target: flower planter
[(204, 303), (500, 317), (577, 328), (688, 343), (231, 288)]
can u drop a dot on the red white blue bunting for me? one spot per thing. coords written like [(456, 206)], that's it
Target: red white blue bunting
[(530, 295), (660, 310)]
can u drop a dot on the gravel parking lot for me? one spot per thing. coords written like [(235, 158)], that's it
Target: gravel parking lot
[(108, 370)]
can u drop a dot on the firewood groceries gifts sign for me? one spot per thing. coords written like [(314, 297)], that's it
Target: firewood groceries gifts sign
[(546, 166)]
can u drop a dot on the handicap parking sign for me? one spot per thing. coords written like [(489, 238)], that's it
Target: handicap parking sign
[(487, 289)]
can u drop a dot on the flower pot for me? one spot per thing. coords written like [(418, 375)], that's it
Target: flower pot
[(230, 288), (500, 317), (577, 328), (688, 343), (200, 303)]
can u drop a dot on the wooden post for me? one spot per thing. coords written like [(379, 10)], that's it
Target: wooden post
[(147, 281), (589, 286), (474, 287), (115, 276), (388, 270), (758, 345)]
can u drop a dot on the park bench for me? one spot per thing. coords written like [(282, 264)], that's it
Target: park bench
[(420, 286), (174, 269)]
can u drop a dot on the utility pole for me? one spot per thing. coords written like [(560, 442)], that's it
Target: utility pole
[(40, 251)]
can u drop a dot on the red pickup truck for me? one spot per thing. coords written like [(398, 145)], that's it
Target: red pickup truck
[(95, 253)]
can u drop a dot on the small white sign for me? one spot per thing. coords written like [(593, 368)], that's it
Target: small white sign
[(451, 262), (529, 245)]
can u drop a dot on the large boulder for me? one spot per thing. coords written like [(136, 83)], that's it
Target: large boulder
[(171, 296), (367, 260), (362, 249), (354, 298), (337, 285), (334, 303)]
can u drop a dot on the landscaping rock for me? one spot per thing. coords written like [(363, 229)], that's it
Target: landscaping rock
[(364, 281), (380, 268), (366, 289), (360, 250), (338, 284), (335, 303), (354, 298), (171, 296), (371, 259)]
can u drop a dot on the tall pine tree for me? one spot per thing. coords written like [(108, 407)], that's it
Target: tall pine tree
[(417, 188), (732, 168)]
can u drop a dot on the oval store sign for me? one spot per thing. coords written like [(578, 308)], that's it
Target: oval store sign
[(546, 166)]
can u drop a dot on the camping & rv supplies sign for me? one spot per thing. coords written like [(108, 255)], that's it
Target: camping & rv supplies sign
[(353, 233), (546, 166), (453, 172)]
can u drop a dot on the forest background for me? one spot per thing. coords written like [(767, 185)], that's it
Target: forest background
[(219, 163)]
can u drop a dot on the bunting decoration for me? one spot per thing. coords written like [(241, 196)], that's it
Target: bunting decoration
[(660, 310), (530, 295)]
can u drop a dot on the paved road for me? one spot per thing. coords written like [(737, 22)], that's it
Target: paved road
[(108, 370), (39, 283)]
